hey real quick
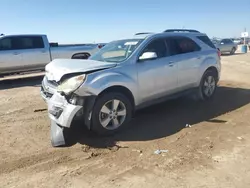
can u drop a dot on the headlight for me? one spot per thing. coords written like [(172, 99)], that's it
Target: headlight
[(71, 84)]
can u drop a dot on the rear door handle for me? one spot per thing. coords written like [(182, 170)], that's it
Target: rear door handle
[(16, 53), (198, 57), (43, 51)]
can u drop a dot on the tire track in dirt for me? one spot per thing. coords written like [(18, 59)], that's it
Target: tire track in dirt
[(47, 161), (54, 157)]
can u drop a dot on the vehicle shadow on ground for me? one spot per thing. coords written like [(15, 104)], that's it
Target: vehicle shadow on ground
[(235, 54), (20, 82), (169, 118)]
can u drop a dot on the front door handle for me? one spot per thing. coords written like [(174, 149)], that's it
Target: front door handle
[(16, 53), (171, 63)]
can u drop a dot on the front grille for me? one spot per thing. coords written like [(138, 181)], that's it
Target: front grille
[(47, 94), (52, 83)]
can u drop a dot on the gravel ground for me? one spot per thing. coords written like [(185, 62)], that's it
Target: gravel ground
[(213, 152)]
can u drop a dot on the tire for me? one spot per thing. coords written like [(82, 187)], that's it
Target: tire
[(100, 118), (233, 51), (203, 94)]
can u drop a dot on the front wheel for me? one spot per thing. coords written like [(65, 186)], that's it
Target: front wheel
[(208, 85), (111, 112)]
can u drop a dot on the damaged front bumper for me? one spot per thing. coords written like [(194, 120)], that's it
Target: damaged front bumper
[(62, 113)]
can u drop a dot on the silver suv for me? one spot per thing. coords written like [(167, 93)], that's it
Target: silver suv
[(127, 75)]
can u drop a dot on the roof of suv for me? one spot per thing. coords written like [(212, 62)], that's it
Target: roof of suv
[(170, 32)]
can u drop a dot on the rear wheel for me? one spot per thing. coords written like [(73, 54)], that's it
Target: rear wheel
[(233, 51), (208, 85), (111, 112)]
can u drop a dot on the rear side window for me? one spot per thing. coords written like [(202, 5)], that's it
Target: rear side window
[(181, 45), (30, 42), (207, 41)]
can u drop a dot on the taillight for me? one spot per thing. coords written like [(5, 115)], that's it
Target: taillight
[(219, 53)]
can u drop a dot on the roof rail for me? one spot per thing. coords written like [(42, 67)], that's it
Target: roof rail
[(182, 30), (144, 33)]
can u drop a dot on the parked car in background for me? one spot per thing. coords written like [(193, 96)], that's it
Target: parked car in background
[(20, 53), (127, 75), (225, 45)]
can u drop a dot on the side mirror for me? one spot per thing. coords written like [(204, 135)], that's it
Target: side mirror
[(148, 56)]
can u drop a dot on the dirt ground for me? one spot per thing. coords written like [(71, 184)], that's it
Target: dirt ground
[(213, 152)]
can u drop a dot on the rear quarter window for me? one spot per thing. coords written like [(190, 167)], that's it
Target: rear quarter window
[(207, 41)]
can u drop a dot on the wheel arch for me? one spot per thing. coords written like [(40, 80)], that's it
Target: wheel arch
[(211, 63), (90, 103), (214, 69), (120, 89), (86, 54)]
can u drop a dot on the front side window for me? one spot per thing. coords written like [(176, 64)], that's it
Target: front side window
[(158, 46), (117, 51), (215, 42), (224, 41), (229, 41)]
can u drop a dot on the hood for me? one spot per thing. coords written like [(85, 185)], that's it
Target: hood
[(60, 67)]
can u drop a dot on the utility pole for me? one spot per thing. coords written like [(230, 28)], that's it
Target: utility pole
[(245, 30)]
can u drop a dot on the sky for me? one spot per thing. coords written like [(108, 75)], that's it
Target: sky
[(87, 21)]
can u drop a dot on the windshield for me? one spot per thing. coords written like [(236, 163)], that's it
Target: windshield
[(117, 51)]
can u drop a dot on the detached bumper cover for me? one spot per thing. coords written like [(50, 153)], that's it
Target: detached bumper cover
[(60, 111), (57, 135)]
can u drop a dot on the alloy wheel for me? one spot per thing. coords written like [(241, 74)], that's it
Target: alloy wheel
[(112, 114), (209, 86)]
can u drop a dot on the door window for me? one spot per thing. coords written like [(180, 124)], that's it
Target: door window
[(21, 43), (158, 46), (224, 41), (29, 42), (6, 44), (181, 45), (229, 41)]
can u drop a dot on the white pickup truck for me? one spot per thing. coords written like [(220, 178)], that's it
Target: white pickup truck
[(21, 53)]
